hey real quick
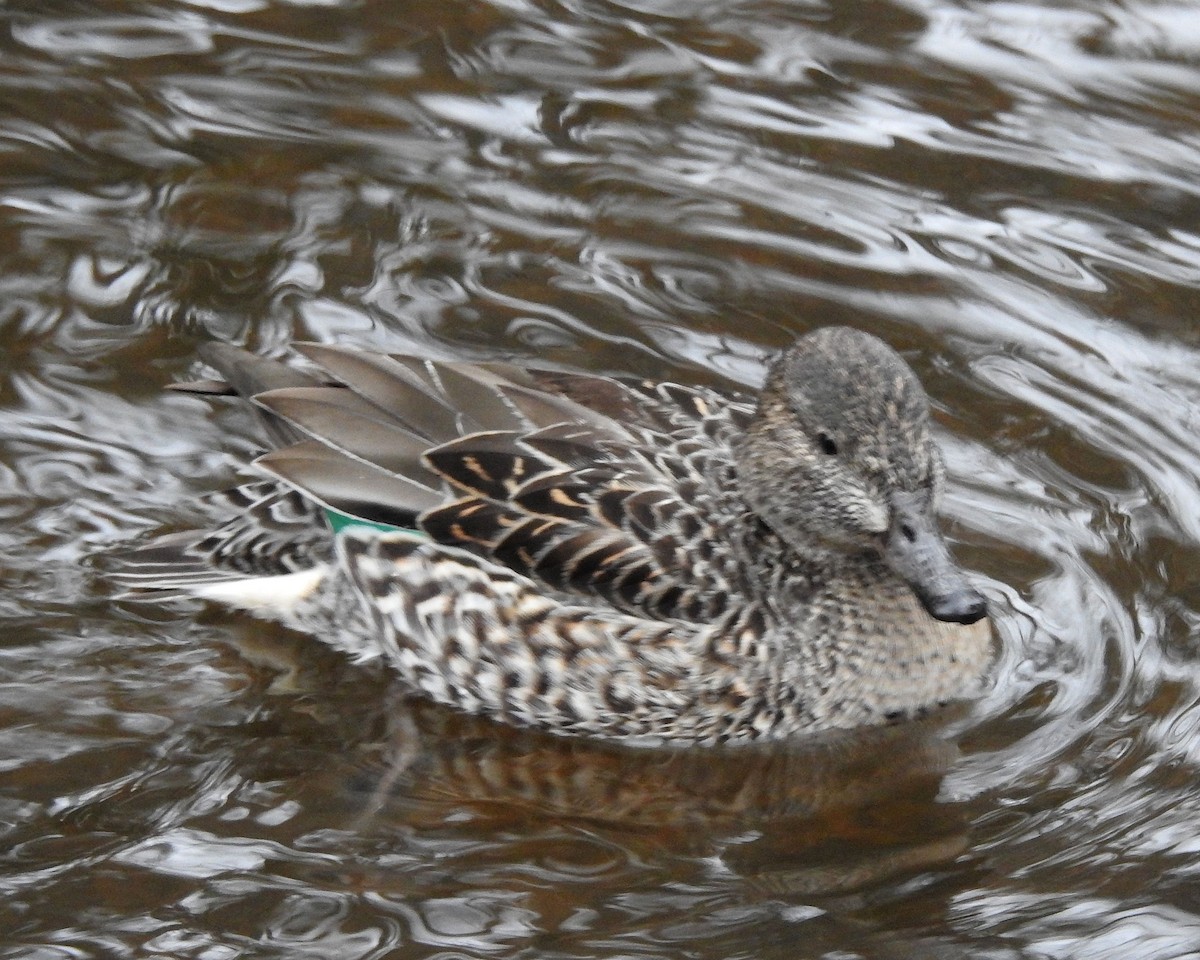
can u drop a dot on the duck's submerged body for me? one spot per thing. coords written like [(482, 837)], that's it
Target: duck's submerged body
[(686, 566)]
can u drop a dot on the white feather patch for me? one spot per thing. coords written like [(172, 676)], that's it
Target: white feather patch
[(265, 595)]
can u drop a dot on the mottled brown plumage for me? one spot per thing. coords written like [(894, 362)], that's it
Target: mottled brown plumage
[(686, 566)]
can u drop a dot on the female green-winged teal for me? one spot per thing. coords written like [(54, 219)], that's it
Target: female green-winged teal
[(686, 566)]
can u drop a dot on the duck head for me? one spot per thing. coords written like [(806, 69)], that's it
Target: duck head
[(839, 458)]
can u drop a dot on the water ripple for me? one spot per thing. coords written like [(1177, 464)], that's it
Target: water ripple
[(1005, 191), (124, 38)]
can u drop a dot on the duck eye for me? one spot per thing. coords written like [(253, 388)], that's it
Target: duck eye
[(827, 444)]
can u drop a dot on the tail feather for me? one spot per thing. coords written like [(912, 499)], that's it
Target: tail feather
[(246, 374), (272, 531)]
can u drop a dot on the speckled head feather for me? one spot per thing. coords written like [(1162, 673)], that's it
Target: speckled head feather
[(841, 422), (862, 400), (626, 559)]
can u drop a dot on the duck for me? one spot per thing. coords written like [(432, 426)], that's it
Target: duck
[(609, 557)]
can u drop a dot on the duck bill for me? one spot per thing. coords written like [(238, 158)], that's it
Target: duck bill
[(916, 551)]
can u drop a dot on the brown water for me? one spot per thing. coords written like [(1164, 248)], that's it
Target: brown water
[(1007, 192)]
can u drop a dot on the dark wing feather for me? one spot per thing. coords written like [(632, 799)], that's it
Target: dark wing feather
[(491, 465), (618, 515)]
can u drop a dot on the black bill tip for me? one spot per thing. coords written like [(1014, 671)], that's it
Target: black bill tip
[(962, 606)]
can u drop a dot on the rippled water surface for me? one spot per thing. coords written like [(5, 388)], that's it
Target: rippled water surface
[(1007, 192)]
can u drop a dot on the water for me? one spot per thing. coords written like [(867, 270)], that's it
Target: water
[(1007, 192)]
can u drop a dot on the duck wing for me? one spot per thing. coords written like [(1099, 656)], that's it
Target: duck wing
[(622, 490), (618, 489)]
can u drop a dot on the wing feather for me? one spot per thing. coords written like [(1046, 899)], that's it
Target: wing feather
[(589, 485), (345, 421), (396, 388), (349, 486)]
